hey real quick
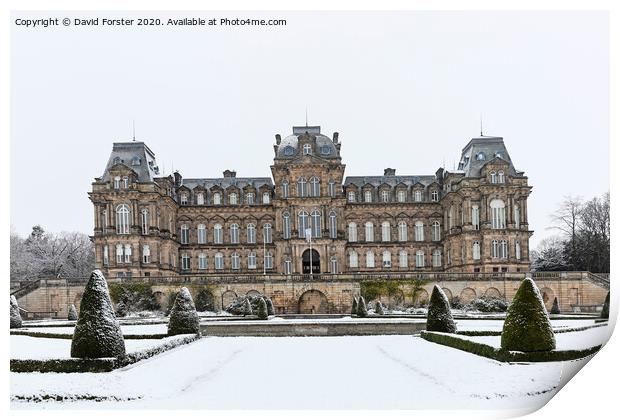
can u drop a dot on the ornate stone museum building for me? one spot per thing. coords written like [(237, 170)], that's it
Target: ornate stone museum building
[(308, 217)]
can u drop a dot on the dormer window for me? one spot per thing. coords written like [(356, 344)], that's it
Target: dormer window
[(498, 154), (385, 196), (249, 198), (200, 199), (481, 156), (417, 196), (351, 196), (402, 196), (117, 182), (266, 198), (125, 182), (368, 196), (184, 199), (307, 149), (435, 195), (500, 177), (493, 176), (232, 199), (289, 151), (325, 150), (116, 161), (217, 199), (135, 161)]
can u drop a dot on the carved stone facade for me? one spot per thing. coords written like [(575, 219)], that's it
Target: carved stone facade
[(470, 220)]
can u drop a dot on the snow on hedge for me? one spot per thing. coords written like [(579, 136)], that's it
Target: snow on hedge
[(72, 315), (439, 317), (97, 331), (183, 316)]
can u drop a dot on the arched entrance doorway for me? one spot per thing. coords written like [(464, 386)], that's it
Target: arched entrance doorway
[(305, 261), (313, 302)]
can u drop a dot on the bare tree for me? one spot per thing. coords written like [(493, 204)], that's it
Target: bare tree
[(566, 220)]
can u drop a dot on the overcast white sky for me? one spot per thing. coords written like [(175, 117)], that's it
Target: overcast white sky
[(404, 90)]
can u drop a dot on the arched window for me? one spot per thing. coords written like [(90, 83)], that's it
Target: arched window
[(266, 198), (267, 233), (435, 231), (301, 187), (417, 196), (125, 182), (252, 260), (370, 259), (200, 199), (234, 261), (302, 224), (500, 177), (369, 232), (493, 176), (286, 225), (385, 196), (218, 237), (251, 233), (352, 232), (403, 259), (307, 149), (436, 258), (219, 261), (217, 199), (402, 196), (202, 261), (185, 263), (517, 217), (333, 265), (315, 187), (145, 221), (419, 231), (268, 261), (419, 259), (331, 187), (494, 249), (476, 250), (146, 254), (333, 226), (202, 234), (316, 223), (184, 234), (402, 231), (285, 191), (498, 214), (385, 231), (387, 259), (351, 196), (122, 219), (234, 233), (368, 196), (232, 199), (353, 262), (475, 217)]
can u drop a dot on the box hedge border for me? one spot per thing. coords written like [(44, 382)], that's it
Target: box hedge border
[(95, 365), (556, 331), (501, 355), (66, 336)]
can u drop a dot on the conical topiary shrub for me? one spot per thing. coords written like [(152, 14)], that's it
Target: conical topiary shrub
[(362, 310), (72, 315), (270, 309), (527, 327), (379, 308), (183, 316), (97, 332), (354, 306), (605, 311), (247, 307), (439, 317), (262, 309), (555, 308), (16, 318)]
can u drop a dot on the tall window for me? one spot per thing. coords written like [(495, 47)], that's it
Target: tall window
[(475, 217), (402, 196), (106, 257), (234, 261), (331, 187), (333, 265), (286, 225), (436, 258), (301, 187), (127, 253), (267, 233), (307, 149), (219, 261), (249, 198), (251, 233), (368, 196), (387, 259), (288, 266), (517, 217), (302, 224), (352, 232), (184, 199), (402, 231), (517, 250), (266, 198), (125, 182), (315, 187), (218, 237), (476, 250), (385, 231), (503, 249), (403, 259), (232, 199), (316, 223), (202, 234), (268, 261), (419, 259), (104, 220), (351, 196), (417, 196), (117, 182), (146, 254), (234, 233), (435, 231), (435, 195), (217, 199), (202, 261), (145, 222), (494, 249), (498, 214), (285, 191), (252, 260), (119, 254), (385, 196), (493, 176), (419, 231), (184, 234), (333, 227), (500, 177), (122, 219), (451, 217), (369, 232), (353, 263), (200, 199), (370, 259)]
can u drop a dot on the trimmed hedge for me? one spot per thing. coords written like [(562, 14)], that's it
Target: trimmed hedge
[(501, 355)]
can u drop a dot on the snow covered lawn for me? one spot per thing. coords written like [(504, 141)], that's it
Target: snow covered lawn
[(361, 372), (497, 325)]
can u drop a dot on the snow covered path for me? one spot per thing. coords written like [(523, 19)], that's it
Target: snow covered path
[(390, 372)]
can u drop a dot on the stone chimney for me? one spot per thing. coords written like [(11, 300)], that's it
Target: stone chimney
[(389, 172), (278, 139), (230, 174), (178, 179)]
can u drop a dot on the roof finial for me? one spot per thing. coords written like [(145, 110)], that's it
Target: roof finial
[(306, 115), (134, 130), (481, 135)]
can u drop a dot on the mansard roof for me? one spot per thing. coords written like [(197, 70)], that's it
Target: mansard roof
[(408, 180), (136, 156), (288, 147), (480, 151), (227, 182)]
